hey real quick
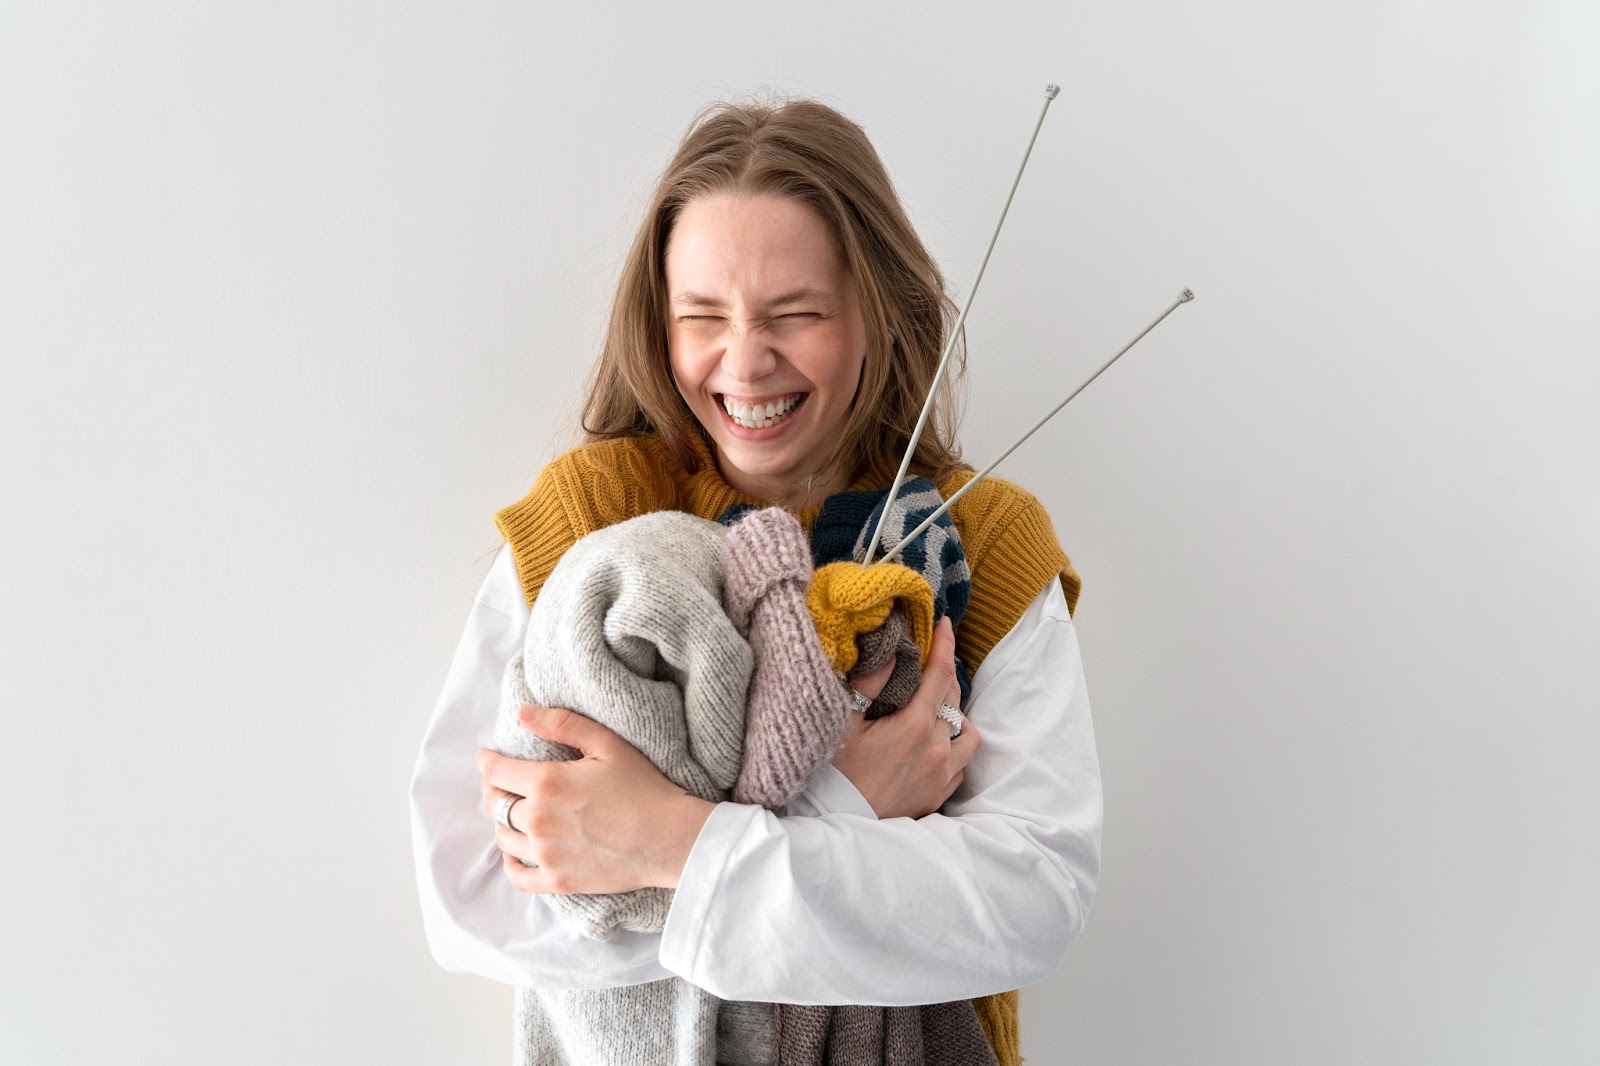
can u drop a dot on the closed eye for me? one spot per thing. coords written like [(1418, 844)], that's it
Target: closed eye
[(793, 315)]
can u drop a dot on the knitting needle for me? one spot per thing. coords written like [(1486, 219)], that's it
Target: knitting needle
[(1183, 297), (1050, 93)]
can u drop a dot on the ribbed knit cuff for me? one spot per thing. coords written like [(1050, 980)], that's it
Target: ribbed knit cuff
[(764, 549)]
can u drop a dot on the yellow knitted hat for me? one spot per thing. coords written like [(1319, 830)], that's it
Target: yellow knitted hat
[(847, 599)]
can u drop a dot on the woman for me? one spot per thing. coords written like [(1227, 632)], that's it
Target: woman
[(774, 334)]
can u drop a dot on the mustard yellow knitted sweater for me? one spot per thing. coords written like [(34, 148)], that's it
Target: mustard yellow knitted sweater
[(1010, 545)]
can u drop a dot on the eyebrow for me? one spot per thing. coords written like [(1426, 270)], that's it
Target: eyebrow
[(695, 299)]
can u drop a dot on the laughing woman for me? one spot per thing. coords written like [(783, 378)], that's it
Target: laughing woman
[(774, 333)]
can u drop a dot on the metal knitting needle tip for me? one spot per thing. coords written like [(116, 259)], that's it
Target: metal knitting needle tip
[(1183, 297), (955, 335)]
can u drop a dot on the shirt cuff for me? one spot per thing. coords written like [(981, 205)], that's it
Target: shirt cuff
[(727, 828), (830, 792), (691, 900)]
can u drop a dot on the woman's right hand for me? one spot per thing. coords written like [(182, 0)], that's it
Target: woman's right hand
[(905, 763)]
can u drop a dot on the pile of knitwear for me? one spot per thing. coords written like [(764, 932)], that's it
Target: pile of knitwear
[(723, 651)]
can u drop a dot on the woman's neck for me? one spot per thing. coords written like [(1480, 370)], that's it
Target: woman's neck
[(801, 497), (806, 495)]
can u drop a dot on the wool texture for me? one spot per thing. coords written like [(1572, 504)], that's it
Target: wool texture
[(659, 1023), (874, 649), (884, 1036), (846, 523), (797, 710), (936, 554), (848, 599), (612, 636), (1006, 535), (652, 627), (630, 630), (847, 519)]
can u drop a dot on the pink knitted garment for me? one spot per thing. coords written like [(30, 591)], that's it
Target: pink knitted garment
[(796, 709)]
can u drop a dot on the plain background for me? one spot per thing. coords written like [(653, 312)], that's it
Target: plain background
[(294, 296)]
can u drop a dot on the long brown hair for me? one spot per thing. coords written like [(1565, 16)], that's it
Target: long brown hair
[(809, 152)]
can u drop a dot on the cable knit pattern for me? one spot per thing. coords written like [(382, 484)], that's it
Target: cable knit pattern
[(656, 627), (585, 489), (1007, 536)]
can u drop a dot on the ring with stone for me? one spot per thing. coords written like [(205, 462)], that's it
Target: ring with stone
[(953, 716), (502, 809), (859, 702)]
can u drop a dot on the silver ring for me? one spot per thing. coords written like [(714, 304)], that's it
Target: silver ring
[(952, 715), (859, 702), (502, 809)]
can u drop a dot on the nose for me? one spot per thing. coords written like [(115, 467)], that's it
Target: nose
[(749, 355)]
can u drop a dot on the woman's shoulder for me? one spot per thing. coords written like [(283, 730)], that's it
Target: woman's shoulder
[(1012, 551), (990, 507), (600, 483), (996, 513), (593, 486)]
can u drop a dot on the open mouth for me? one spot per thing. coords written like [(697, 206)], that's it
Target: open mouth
[(761, 415)]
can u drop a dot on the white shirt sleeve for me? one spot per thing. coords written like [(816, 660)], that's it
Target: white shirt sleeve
[(475, 919), (986, 896), (795, 908)]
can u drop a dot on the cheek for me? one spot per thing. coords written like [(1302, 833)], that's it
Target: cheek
[(682, 366), (835, 359), (849, 366)]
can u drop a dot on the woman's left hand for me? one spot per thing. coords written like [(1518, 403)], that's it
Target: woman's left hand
[(608, 822)]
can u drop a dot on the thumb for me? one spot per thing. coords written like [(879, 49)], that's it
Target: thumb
[(939, 677), (565, 726)]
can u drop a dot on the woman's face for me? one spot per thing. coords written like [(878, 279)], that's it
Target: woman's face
[(766, 340)]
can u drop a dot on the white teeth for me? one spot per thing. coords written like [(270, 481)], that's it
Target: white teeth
[(761, 415)]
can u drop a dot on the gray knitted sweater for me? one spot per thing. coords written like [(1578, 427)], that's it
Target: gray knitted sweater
[(630, 629), (693, 643)]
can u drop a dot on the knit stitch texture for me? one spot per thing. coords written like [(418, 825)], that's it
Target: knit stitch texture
[(848, 599), (892, 639), (629, 630), (1007, 537), (667, 673), (846, 523)]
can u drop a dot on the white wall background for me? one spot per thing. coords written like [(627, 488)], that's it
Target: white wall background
[(293, 297)]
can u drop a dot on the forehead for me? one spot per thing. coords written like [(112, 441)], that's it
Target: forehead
[(751, 246)]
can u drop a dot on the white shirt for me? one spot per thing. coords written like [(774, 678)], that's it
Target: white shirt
[(824, 905)]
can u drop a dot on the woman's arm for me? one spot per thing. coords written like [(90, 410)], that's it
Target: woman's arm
[(475, 919), (984, 897), (1010, 885)]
